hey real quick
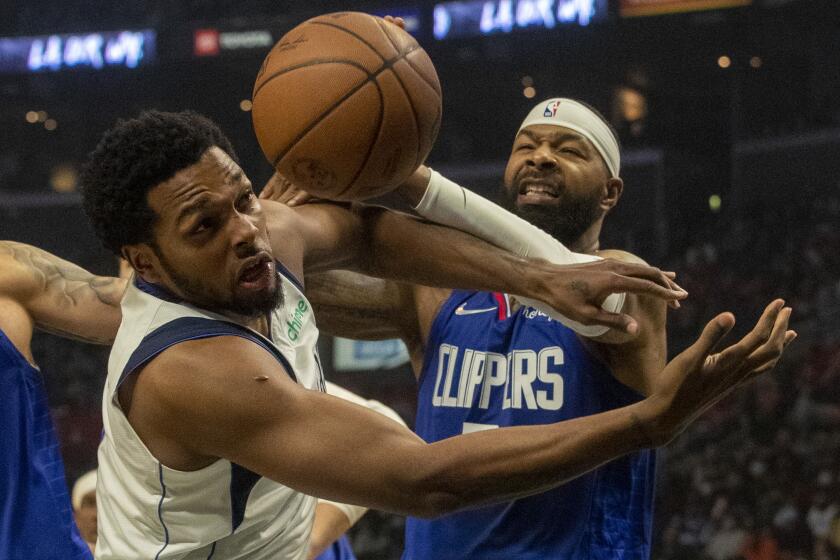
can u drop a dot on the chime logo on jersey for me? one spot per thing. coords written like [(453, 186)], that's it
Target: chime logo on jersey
[(551, 109), (297, 319), (526, 378)]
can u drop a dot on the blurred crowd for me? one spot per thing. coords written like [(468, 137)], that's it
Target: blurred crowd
[(758, 478)]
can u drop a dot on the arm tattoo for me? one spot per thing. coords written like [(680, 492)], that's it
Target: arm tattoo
[(356, 302), (72, 283), (62, 298)]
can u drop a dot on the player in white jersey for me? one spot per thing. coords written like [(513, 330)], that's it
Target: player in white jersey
[(216, 432)]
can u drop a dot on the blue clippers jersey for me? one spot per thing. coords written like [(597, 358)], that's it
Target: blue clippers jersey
[(36, 519), (485, 369)]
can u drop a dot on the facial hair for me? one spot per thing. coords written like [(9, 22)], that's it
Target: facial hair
[(194, 291), (566, 222)]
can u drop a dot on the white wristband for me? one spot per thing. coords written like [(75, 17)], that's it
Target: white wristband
[(449, 204)]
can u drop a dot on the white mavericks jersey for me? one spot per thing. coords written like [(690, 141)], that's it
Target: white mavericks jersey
[(151, 512)]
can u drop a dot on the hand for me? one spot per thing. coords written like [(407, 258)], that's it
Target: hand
[(398, 21), (280, 189), (697, 379), (584, 287)]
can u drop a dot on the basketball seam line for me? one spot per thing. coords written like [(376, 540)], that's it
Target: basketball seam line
[(310, 63), (423, 77), (371, 47), (414, 116), (357, 36), (387, 64), (372, 144)]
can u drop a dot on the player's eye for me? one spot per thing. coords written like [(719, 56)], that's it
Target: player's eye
[(204, 225)]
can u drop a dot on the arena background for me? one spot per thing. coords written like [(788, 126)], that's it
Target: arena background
[(729, 113)]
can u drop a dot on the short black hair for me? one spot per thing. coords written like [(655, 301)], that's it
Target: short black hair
[(134, 156)]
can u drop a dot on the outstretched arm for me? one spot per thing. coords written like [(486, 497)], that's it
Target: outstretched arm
[(390, 245), (244, 408), (60, 297)]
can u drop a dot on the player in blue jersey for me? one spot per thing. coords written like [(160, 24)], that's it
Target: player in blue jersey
[(40, 290), (484, 360)]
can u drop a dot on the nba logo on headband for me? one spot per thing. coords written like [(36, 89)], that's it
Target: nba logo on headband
[(551, 109), (578, 117)]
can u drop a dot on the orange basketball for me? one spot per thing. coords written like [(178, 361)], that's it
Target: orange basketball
[(346, 106)]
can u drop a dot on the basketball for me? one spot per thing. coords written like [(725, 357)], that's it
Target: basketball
[(346, 105)]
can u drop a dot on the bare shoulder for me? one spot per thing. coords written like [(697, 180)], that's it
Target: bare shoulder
[(196, 397), (200, 383), (620, 255), (219, 367)]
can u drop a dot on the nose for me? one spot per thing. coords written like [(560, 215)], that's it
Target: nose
[(543, 158), (244, 233)]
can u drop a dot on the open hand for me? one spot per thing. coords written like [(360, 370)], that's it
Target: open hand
[(697, 378)]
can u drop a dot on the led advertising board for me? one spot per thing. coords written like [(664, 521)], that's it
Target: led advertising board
[(126, 49), (484, 17)]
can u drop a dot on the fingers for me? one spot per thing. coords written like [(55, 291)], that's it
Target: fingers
[(655, 277), (396, 21), (300, 197), (769, 364), (267, 191), (618, 321), (754, 339), (714, 331), (775, 343), (644, 271), (280, 189), (643, 286)]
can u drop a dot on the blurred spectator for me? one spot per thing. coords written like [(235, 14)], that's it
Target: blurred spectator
[(84, 507)]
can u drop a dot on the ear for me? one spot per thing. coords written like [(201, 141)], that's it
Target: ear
[(144, 261), (613, 190)]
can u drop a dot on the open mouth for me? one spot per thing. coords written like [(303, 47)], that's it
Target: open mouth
[(533, 191), (257, 273)]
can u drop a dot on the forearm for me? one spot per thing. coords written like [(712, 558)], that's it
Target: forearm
[(405, 249), (356, 306), (504, 464), (61, 297), (444, 202)]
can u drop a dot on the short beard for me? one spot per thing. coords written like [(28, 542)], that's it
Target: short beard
[(566, 222), (196, 294)]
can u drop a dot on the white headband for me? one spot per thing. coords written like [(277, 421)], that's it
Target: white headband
[(571, 114), (83, 486)]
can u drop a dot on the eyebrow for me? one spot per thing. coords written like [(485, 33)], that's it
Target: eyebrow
[(200, 203), (235, 174), (555, 137)]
